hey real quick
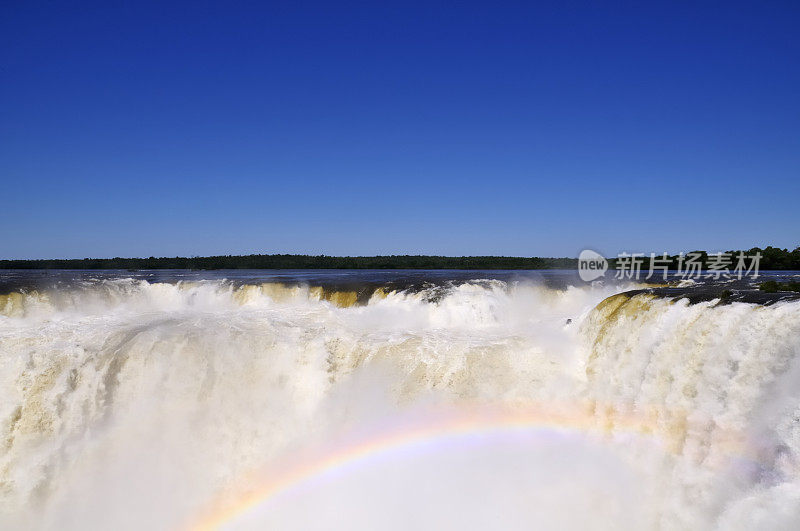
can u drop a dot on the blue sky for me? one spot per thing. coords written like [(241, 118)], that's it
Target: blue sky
[(197, 128)]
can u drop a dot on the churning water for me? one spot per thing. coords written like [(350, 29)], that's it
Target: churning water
[(419, 400)]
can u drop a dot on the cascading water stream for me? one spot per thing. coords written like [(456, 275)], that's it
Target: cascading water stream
[(132, 404)]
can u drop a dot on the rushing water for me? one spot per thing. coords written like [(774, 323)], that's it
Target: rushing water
[(391, 400)]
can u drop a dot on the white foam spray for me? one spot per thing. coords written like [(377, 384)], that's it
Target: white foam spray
[(129, 405)]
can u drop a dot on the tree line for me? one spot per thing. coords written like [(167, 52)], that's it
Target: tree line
[(299, 261), (772, 258)]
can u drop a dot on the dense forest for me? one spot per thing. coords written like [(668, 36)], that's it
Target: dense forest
[(771, 258)]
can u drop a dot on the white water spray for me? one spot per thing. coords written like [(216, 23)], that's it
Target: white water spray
[(127, 404)]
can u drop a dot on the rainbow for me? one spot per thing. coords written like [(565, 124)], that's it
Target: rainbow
[(420, 431)]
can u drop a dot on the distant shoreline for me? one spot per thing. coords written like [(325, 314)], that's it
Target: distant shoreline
[(772, 258), (287, 261)]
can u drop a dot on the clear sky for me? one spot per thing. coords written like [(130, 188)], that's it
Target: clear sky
[(171, 128)]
